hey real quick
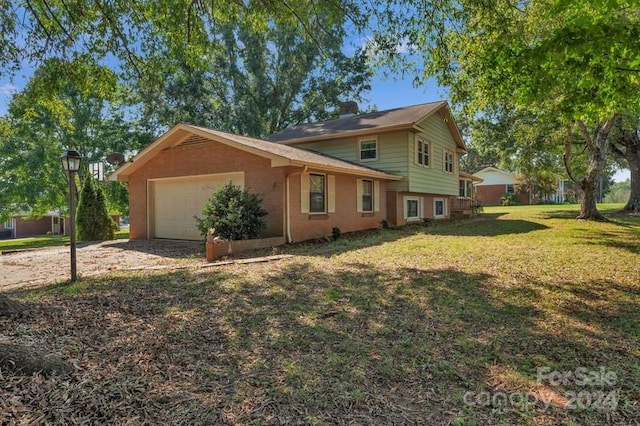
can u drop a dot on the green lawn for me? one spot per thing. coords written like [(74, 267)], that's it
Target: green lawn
[(45, 241), (448, 324)]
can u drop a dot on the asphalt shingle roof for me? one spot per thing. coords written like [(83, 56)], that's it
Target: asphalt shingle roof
[(392, 118), (289, 152)]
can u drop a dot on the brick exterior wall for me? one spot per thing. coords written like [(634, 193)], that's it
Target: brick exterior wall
[(395, 206), (305, 226), (32, 227), (489, 195), (209, 158)]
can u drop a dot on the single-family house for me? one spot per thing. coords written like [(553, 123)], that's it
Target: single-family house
[(21, 226), (495, 183), (421, 143), (351, 173)]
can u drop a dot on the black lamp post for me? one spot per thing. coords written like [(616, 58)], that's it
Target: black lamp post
[(71, 164)]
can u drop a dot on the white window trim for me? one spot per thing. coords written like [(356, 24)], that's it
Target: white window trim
[(326, 193), (506, 188), (444, 208), (468, 189), (446, 151), (428, 144), (404, 207), (8, 224), (368, 139), (361, 195)]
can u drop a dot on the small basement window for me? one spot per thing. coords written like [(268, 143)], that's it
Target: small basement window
[(412, 208)]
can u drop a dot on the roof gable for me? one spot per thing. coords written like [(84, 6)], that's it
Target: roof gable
[(280, 155)]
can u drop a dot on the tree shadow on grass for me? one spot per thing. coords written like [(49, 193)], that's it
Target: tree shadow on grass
[(487, 225), (299, 342), (161, 247), (631, 245)]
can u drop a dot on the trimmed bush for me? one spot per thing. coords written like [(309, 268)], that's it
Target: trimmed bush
[(509, 199), (233, 214), (93, 220)]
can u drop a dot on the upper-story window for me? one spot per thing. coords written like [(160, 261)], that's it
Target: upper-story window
[(448, 161), (368, 149), (423, 152)]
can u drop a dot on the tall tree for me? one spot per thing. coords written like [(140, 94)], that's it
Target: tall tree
[(575, 60), (49, 115), (261, 79), (625, 144)]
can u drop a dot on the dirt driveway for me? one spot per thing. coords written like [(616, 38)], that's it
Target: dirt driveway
[(37, 267)]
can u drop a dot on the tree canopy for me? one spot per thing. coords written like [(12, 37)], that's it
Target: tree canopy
[(578, 62)]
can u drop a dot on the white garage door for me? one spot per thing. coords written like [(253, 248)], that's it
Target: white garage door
[(174, 203)]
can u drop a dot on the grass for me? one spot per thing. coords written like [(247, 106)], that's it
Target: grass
[(44, 241), (447, 324)]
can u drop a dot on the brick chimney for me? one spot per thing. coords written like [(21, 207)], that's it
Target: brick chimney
[(348, 109)]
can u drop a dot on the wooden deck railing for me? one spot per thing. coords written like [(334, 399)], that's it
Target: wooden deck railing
[(464, 205)]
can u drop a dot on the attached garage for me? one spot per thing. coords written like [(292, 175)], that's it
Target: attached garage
[(171, 180), (173, 203)]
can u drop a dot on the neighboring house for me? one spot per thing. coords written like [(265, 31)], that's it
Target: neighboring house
[(21, 226), (351, 173), (495, 183), (558, 196)]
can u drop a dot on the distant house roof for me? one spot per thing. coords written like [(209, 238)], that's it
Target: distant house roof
[(486, 178), (280, 155), (374, 122), (470, 176)]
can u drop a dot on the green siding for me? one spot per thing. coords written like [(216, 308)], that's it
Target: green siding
[(433, 179), (396, 154), (392, 154)]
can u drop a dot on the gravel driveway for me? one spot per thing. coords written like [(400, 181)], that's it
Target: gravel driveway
[(44, 266)]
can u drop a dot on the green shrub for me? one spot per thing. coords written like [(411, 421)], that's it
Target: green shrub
[(509, 199), (93, 220), (233, 214)]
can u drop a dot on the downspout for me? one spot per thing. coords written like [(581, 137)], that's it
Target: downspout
[(288, 204)]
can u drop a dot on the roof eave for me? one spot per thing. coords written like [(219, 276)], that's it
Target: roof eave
[(365, 173), (346, 134), (165, 141)]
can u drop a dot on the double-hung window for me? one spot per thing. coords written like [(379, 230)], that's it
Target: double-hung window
[(317, 193), (423, 152), (367, 195), (510, 189), (368, 149), (448, 161)]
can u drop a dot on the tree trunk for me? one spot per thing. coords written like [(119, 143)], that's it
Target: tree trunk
[(588, 208), (633, 157), (597, 147), (27, 360)]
